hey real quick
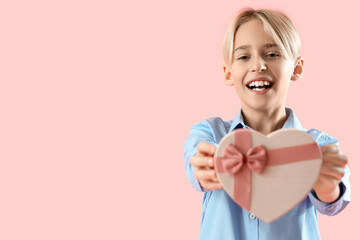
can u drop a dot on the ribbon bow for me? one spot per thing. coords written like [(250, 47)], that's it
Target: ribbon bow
[(233, 159)]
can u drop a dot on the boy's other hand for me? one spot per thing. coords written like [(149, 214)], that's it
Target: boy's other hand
[(332, 171), (203, 163)]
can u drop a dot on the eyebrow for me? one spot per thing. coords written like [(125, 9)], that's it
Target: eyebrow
[(268, 45)]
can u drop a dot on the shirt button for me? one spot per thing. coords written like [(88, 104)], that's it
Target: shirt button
[(252, 216)]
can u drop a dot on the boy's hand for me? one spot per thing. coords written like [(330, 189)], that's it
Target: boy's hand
[(203, 163), (332, 170)]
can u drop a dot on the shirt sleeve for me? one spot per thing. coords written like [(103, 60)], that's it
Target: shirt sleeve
[(336, 207), (200, 132)]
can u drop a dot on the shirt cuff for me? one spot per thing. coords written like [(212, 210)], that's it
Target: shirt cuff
[(328, 208)]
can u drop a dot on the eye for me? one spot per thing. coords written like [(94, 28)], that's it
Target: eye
[(243, 58), (272, 55)]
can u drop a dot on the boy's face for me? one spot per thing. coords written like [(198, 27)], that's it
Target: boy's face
[(260, 74)]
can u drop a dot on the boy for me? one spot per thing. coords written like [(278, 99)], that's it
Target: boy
[(261, 53)]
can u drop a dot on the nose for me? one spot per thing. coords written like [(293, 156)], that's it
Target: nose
[(258, 64)]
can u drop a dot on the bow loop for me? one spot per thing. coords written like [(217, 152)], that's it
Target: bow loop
[(233, 160), (257, 158)]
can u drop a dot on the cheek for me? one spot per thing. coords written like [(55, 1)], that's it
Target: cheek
[(239, 89), (284, 73), (239, 76), (287, 70)]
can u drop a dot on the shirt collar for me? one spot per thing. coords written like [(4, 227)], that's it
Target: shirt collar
[(291, 122)]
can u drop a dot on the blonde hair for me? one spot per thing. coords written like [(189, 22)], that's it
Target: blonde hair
[(276, 24)]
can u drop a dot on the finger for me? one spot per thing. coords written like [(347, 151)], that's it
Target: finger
[(335, 159), (200, 161), (330, 148), (205, 174), (211, 185), (206, 149), (332, 171)]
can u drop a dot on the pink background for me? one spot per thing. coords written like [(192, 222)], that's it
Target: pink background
[(97, 98)]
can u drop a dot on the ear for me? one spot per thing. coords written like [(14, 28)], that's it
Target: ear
[(298, 70), (227, 75)]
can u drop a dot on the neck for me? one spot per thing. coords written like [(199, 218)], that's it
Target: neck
[(264, 121)]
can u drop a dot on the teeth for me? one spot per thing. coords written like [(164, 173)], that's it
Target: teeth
[(259, 83), (259, 89)]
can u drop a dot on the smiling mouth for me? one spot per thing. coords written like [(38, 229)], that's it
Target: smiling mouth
[(259, 86)]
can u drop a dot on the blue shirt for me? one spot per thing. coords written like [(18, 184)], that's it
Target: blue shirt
[(223, 219)]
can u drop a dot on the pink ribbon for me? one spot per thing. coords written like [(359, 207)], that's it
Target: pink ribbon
[(241, 159), (233, 159)]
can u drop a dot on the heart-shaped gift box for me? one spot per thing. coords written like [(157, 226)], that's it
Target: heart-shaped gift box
[(268, 175)]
